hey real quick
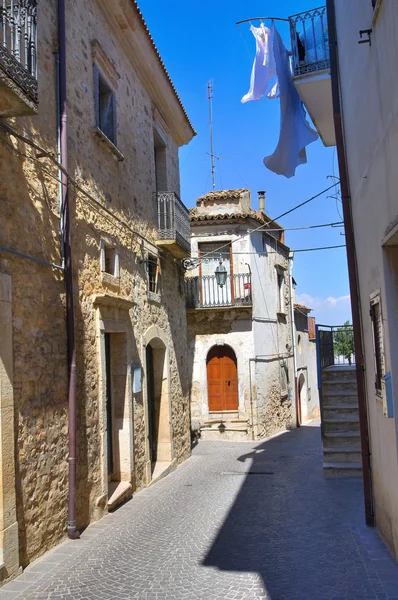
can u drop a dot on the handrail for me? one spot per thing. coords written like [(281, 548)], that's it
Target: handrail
[(18, 23), (205, 292), (310, 41)]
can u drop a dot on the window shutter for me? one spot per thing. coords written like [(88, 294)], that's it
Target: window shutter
[(96, 96), (102, 255), (378, 345), (117, 264)]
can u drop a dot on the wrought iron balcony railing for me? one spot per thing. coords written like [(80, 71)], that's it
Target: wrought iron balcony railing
[(173, 224), (18, 43), (205, 292), (335, 345), (310, 41)]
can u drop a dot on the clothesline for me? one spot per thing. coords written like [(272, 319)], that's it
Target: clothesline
[(262, 19)]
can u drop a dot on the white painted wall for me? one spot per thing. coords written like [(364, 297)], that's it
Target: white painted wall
[(265, 335), (370, 113)]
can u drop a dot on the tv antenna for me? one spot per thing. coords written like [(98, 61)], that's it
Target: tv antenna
[(211, 153)]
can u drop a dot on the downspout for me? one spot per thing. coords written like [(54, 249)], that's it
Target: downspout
[(296, 402), (251, 394), (352, 264), (70, 321)]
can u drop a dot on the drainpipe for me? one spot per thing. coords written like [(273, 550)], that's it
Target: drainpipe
[(352, 265), (295, 394), (70, 321)]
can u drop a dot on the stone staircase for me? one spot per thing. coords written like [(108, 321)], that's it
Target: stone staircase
[(340, 419), (226, 427)]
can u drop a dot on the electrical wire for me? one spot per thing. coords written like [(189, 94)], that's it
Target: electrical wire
[(215, 253)]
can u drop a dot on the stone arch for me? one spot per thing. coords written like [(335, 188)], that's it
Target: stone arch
[(303, 396), (157, 400), (242, 371)]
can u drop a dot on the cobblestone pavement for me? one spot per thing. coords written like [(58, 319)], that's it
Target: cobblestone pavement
[(237, 521)]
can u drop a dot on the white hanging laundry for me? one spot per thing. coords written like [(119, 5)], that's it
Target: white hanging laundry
[(263, 78), (295, 132)]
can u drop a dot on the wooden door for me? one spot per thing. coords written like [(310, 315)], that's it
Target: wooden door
[(222, 379)]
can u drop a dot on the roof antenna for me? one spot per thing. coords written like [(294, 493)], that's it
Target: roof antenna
[(211, 153)]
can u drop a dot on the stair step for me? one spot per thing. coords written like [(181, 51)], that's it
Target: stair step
[(346, 413), (339, 469), (348, 439), (341, 455), (343, 419), (354, 449), (342, 425), (342, 465)]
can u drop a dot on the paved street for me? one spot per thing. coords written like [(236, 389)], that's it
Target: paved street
[(235, 522)]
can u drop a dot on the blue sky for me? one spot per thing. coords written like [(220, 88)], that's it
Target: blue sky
[(201, 42)]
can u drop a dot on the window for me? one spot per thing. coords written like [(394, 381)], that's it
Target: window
[(109, 259), (281, 293), (105, 106), (153, 274), (284, 378), (378, 346)]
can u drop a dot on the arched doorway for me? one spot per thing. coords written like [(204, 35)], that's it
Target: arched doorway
[(159, 446), (222, 379), (303, 398)]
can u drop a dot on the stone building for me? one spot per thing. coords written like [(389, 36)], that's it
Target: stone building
[(238, 288), (129, 231)]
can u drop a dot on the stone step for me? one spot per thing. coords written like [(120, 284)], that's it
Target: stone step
[(227, 435), (341, 469), (338, 386), (342, 424), (345, 372), (118, 493), (342, 455), (225, 415), (339, 398), (349, 439), (340, 410)]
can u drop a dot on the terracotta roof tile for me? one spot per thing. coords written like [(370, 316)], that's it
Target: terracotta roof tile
[(224, 194), (302, 307)]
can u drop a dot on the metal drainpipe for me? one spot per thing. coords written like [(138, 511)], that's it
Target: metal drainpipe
[(70, 321), (352, 265), (298, 408)]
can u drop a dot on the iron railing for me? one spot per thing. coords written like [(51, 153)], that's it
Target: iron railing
[(173, 219), (204, 291), (335, 345), (310, 41), (18, 43)]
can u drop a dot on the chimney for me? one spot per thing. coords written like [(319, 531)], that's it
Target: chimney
[(261, 201)]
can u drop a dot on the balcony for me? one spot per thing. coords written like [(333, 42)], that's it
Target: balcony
[(173, 225), (18, 58), (311, 69), (205, 292)]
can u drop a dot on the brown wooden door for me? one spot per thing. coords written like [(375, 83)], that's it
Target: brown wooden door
[(222, 379)]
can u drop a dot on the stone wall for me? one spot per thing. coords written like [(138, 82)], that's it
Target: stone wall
[(117, 205)]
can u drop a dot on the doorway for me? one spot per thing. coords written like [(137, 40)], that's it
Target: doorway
[(159, 434), (303, 398), (109, 420), (222, 379), (153, 410)]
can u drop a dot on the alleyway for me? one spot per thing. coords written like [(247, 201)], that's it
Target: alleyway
[(235, 522)]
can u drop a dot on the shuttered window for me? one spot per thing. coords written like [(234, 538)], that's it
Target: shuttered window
[(378, 345), (153, 274), (105, 106)]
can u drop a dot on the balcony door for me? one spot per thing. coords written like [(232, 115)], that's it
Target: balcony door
[(211, 294), (222, 379)]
